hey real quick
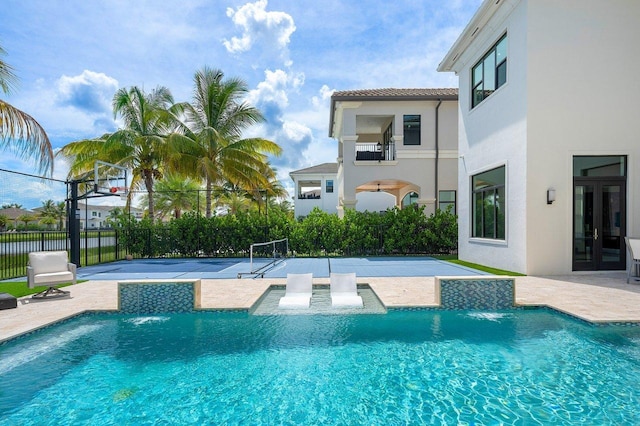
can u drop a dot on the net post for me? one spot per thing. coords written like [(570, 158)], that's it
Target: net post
[(251, 258)]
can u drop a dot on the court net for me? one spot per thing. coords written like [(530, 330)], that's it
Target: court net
[(264, 256)]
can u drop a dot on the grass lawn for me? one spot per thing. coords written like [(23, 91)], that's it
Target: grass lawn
[(19, 288), (492, 271)]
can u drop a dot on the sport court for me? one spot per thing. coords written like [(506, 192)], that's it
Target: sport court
[(226, 268)]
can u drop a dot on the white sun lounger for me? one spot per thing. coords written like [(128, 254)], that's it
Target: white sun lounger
[(344, 291), (298, 292)]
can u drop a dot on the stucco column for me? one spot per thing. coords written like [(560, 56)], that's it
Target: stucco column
[(346, 204)]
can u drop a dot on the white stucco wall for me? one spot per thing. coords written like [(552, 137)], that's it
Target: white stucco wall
[(374, 201), (583, 99), (493, 134), (327, 202), (571, 90)]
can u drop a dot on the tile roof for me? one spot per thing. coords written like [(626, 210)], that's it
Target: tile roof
[(396, 93)]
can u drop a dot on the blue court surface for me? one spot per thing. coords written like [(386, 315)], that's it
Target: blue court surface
[(217, 268)]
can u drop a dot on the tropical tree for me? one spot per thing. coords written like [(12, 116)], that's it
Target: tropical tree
[(269, 189), (235, 201), (54, 211), (11, 205), (48, 221), (3, 221), (138, 146), (26, 218), (20, 132), (175, 194), (210, 145)]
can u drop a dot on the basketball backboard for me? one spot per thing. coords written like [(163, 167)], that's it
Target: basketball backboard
[(110, 179)]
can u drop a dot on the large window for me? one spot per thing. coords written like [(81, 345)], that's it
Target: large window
[(489, 204), (446, 199), (490, 72), (411, 129)]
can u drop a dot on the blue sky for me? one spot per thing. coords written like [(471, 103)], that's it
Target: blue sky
[(71, 56)]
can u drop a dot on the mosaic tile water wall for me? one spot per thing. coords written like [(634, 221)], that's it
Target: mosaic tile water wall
[(476, 293), (154, 298)]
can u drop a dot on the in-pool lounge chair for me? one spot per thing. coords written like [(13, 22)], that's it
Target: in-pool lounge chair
[(344, 290), (298, 292), (633, 248)]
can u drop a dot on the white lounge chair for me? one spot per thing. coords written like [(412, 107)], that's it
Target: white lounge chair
[(633, 248), (50, 267), (344, 290), (298, 292)]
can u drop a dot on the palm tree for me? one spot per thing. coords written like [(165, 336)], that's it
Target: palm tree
[(19, 131), (271, 187), (11, 205), (175, 194), (210, 145), (139, 146), (26, 218), (54, 211)]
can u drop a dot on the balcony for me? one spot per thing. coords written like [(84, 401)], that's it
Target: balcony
[(375, 152)]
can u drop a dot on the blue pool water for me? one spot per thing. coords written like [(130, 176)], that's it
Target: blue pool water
[(405, 367)]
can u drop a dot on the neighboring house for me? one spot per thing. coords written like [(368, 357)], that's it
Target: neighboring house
[(13, 214), (395, 147), (92, 216), (315, 187), (549, 175), (95, 216)]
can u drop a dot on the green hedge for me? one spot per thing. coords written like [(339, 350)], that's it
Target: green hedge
[(406, 231)]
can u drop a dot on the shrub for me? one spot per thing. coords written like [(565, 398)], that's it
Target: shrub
[(406, 231)]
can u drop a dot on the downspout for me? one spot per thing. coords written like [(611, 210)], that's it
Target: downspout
[(435, 180)]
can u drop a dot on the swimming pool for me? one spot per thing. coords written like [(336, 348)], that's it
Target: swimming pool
[(405, 367)]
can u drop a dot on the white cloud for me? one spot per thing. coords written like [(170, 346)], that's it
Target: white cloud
[(259, 27), (325, 94), (275, 87), (296, 132), (90, 91)]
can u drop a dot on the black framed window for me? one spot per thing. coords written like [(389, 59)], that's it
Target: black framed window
[(489, 204), (490, 72), (411, 129), (329, 186)]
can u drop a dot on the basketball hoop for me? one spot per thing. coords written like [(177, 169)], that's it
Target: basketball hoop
[(110, 179)]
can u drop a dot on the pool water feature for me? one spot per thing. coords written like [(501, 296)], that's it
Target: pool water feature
[(405, 367)]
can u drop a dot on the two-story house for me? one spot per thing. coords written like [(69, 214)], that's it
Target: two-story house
[(549, 169), (395, 143)]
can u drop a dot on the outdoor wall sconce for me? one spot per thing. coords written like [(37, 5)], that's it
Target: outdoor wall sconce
[(551, 195)]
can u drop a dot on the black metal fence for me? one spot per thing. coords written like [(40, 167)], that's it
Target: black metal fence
[(95, 247)]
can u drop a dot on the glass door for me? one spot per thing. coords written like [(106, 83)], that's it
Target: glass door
[(599, 224)]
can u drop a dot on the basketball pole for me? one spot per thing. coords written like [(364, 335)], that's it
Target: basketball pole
[(74, 224)]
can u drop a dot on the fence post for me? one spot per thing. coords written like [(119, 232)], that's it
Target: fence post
[(117, 246)]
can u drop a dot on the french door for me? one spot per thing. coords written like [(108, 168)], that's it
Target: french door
[(599, 224)]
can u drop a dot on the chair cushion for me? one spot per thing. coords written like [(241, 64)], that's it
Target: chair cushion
[(346, 301), (44, 262), (53, 277), (298, 301)]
